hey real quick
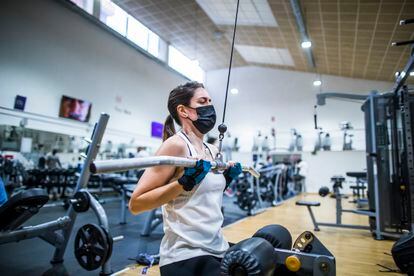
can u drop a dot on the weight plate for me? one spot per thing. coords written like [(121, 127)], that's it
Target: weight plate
[(91, 246), (82, 202), (246, 201), (110, 244)]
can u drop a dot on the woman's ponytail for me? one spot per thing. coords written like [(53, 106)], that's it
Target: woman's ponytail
[(169, 128)]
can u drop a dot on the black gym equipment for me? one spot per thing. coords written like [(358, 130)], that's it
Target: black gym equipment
[(358, 190), (403, 253), (277, 235), (56, 181), (270, 252), (389, 147), (324, 191), (12, 173), (246, 193), (253, 193), (23, 205), (91, 246), (20, 207), (254, 256), (80, 201)]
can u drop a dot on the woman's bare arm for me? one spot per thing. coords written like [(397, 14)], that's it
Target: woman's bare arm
[(152, 190)]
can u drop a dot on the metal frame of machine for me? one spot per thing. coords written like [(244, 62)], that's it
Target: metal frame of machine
[(390, 157)]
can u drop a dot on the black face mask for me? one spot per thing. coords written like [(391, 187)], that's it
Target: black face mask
[(206, 118)]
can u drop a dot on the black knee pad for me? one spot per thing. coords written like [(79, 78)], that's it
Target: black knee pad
[(254, 256), (277, 235)]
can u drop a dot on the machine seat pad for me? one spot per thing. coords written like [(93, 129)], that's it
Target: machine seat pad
[(357, 174), (358, 187), (20, 207), (308, 203)]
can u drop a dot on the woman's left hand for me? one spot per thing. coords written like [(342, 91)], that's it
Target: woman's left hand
[(232, 172)]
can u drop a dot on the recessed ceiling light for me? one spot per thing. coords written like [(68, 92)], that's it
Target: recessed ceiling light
[(317, 83), (397, 74), (234, 91), (306, 44), (411, 74)]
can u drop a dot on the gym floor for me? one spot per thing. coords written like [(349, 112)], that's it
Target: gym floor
[(356, 252), (32, 257)]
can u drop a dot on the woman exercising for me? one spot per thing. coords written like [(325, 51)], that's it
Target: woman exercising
[(191, 198)]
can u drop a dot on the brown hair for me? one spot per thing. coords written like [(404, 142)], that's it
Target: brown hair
[(180, 95)]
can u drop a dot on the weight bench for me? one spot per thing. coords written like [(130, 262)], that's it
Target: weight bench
[(309, 205), (339, 210), (20, 208), (153, 219), (358, 190), (126, 187)]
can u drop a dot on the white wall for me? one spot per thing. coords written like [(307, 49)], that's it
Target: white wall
[(290, 97), (324, 165), (47, 50)]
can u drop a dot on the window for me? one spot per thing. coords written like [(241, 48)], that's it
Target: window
[(137, 33), (153, 43), (114, 16), (184, 65), (86, 5), (117, 19), (143, 37), (126, 25)]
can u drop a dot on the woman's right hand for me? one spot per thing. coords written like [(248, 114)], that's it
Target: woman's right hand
[(193, 176)]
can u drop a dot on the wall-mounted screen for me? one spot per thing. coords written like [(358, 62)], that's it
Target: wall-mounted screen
[(75, 109), (156, 129)]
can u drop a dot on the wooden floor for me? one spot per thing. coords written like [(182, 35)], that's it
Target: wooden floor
[(356, 252)]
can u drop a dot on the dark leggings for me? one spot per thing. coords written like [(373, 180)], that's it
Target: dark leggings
[(201, 265)]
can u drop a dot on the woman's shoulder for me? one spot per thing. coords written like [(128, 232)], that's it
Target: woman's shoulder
[(173, 146)]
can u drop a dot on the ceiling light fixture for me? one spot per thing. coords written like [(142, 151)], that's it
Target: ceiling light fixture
[(234, 91), (306, 44), (317, 83)]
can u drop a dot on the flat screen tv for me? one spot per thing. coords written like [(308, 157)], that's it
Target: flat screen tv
[(75, 109), (156, 129)]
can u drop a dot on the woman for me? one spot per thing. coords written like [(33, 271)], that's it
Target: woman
[(193, 243)]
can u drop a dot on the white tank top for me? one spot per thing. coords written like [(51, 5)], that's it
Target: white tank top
[(193, 220)]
